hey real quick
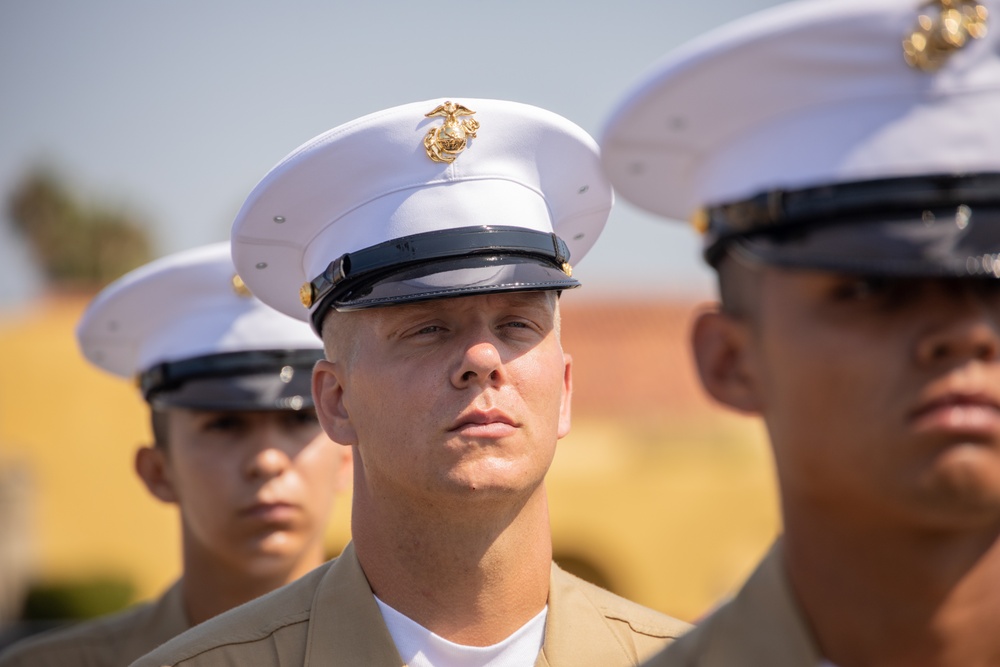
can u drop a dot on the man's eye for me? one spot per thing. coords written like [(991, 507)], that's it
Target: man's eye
[(988, 288), (885, 292), (864, 287), (224, 424)]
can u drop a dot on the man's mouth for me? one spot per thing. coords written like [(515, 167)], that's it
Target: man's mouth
[(973, 412), (271, 511), (484, 423)]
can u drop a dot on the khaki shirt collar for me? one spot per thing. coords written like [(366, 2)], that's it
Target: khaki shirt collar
[(347, 623), (576, 631)]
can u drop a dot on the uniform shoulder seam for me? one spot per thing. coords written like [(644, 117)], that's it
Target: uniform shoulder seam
[(640, 619), (233, 639)]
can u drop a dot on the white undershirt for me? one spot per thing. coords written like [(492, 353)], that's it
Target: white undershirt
[(419, 647)]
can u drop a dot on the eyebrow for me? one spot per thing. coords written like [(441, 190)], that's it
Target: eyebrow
[(534, 299)]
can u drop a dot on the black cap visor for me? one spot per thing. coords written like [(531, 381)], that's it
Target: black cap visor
[(459, 276), (240, 381), (930, 225), (958, 241), (443, 264)]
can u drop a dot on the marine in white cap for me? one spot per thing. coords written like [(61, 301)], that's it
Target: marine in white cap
[(428, 243), (237, 446), (843, 160)]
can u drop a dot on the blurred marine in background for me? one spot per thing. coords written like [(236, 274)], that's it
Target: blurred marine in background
[(237, 446), (843, 160)]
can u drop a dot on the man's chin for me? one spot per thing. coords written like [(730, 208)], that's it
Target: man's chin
[(275, 550), (963, 487)]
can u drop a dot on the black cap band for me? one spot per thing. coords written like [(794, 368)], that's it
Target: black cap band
[(776, 211), (356, 271), (170, 376)]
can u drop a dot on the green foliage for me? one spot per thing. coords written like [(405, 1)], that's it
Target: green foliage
[(77, 599), (77, 244)]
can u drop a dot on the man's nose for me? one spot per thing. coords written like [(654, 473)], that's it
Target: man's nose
[(480, 364), (969, 328), (269, 458)]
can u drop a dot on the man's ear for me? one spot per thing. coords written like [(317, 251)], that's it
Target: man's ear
[(328, 395), (565, 404), (152, 467), (723, 355)]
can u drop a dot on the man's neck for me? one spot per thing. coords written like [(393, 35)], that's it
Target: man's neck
[(875, 595), (210, 587), (472, 579)]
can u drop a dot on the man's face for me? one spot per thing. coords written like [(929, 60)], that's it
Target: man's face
[(254, 488), (449, 400), (881, 396)]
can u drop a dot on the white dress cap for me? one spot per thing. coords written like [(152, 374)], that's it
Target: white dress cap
[(475, 187), (819, 93), (191, 331)]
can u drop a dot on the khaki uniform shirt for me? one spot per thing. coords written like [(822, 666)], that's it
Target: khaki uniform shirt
[(762, 626), (330, 617), (112, 641)]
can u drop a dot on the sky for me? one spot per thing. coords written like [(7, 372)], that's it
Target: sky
[(174, 110)]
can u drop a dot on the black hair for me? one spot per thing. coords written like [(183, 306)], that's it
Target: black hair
[(158, 420), (738, 285)]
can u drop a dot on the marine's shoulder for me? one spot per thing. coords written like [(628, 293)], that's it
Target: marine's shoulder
[(95, 642), (761, 624), (278, 617), (695, 645), (639, 619)]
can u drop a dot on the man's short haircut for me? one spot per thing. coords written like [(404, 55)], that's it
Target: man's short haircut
[(739, 285), (158, 420), (338, 333)]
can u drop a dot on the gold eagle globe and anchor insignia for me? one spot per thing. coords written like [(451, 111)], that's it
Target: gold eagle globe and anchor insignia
[(939, 34), (307, 293), (240, 287), (443, 144)]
